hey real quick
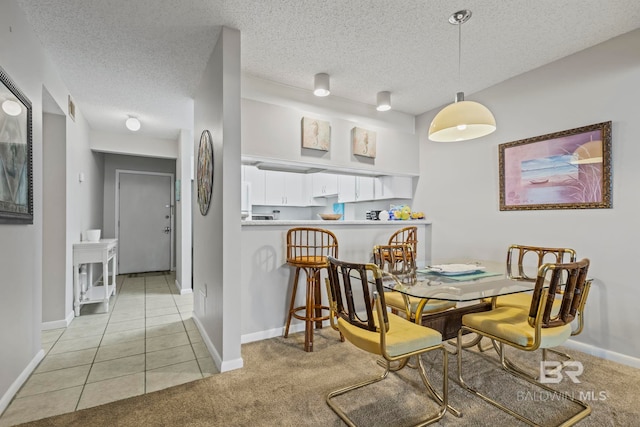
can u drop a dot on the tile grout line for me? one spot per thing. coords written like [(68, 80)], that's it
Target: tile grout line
[(93, 361)]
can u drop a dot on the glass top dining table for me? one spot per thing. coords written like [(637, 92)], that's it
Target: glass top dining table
[(461, 288)]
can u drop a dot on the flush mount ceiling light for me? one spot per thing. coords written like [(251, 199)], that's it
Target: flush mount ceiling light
[(321, 84), (383, 101), (462, 120), (133, 124), (11, 107)]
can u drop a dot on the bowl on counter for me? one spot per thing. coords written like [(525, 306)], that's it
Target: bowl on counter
[(330, 216)]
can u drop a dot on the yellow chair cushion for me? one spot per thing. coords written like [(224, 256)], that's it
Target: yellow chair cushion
[(395, 300), (402, 337), (523, 301), (308, 259), (510, 324)]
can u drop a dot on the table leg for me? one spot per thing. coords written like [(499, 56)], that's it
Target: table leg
[(76, 289), (105, 281), (113, 271)]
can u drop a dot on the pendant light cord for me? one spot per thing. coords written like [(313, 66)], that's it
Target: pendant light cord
[(459, 55)]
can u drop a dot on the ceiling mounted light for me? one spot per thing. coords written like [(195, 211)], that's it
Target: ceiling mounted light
[(462, 120), (11, 107), (383, 101), (133, 124), (321, 84)]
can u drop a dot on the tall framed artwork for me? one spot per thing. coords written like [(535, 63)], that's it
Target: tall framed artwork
[(316, 134), (205, 171), (570, 169), (16, 154)]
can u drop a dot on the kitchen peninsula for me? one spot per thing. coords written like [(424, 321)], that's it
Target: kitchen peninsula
[(267, 280)]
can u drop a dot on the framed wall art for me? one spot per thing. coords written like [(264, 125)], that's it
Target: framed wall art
[(316, 134), (363, 142), (16, 154), (570, 169), (205, 172)]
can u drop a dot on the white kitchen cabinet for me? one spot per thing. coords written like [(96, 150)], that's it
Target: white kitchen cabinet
[(355, 188), (256, 178), (393, 187), (285, 189), (324, 184)]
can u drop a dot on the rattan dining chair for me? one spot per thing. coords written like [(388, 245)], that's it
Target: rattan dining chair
[(536, 327), (399, 261), (357, 300), (406, 236), (307, 250)]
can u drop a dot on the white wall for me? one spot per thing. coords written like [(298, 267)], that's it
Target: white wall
[(54, 293), (133, 144), (21, 245), (184, 170), (216, 236), (459, 187), (272, 131)]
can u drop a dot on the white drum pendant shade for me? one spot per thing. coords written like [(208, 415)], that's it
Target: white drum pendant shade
[(461, 121)]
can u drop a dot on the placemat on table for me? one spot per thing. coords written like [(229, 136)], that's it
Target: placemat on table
[(463, 277)]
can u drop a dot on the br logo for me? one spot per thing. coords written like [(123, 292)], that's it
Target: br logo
[(551, 372)]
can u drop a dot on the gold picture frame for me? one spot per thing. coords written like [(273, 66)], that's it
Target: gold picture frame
[(570, 169)]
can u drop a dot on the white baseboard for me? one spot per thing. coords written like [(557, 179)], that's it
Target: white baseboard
[(182, 291), (592, 350), (57, 324), (223, 366), (272, 333), (22, 378)]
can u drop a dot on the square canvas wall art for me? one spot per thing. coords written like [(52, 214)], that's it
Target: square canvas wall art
[(363, 142), (316, 134)]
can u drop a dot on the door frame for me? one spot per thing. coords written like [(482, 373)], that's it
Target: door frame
[(172, 209)]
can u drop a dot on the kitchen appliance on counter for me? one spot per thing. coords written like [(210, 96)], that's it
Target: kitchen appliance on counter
[(373, 215), (262, 217)]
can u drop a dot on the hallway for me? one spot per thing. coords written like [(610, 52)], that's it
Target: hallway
[(147, 342)]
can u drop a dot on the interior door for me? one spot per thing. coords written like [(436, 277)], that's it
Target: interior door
[(144, 237)]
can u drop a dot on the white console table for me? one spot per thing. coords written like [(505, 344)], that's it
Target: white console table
[(88, 253)]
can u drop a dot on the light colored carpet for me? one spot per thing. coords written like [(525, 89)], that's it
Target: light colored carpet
[(281, 385)]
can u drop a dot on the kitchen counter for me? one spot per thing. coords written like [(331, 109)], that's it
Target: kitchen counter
[(324, 223), (266, 279)]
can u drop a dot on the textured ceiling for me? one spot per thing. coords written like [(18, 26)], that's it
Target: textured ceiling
[(146, 57)]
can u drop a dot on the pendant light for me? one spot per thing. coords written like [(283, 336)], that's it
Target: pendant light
[(462, 120)]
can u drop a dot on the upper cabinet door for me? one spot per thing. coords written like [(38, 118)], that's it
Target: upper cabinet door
[(365, 187), (346, 189), (324, 184), (285, 189), (355, 188), (255, 176), (393, 187)]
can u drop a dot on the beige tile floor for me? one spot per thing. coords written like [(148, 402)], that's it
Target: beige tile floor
[(146, 342)]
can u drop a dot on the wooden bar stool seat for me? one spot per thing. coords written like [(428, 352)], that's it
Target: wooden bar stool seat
[(308, 249)]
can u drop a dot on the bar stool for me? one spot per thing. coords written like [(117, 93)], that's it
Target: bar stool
[(406, 236), (307, 249)]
